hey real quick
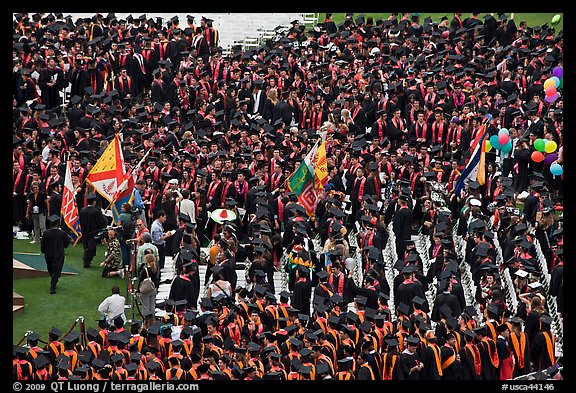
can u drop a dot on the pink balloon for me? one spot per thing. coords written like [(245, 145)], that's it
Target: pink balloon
[(503, 139), (551, 99), (550, 91)]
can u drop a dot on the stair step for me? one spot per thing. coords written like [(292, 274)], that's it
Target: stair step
[(17, 300), (17, 309)]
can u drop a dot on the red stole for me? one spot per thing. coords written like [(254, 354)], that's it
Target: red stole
[(316, 120), (360, 189), (212, 188), (421, 130), (224, 192), (340, 287), (380, 129), (437, 133)]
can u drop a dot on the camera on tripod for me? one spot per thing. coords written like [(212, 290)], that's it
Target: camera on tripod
[(103, 233)]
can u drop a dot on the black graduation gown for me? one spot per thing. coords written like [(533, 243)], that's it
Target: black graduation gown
[(402, 227), (556, 278), (301, 296), (450, 300), (489, 372), (531, 206), (467, 362), (91, 220), (407, 291), (454, 371), (51, 94), (407, 361), (430, 370), (52, 245), (539, 352), (527, 366), (183, 289), (532, 325), (229, 272), (522, 158)]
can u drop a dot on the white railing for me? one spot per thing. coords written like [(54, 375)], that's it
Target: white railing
[(390, 258), (422, 246), (507, 282), (557, 324), (466, 275)]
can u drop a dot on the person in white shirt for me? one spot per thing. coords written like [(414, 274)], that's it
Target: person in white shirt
[(187, 206), (113, 306)]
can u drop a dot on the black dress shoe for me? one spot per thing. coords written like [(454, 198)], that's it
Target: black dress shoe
[(52, 291), (87, 266)]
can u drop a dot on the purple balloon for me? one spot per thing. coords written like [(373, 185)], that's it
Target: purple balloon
[(552, 98), (558, 72), (550, 158)]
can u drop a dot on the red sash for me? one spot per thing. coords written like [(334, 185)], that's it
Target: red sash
[(437, 132), (340, 288), (423, 129)]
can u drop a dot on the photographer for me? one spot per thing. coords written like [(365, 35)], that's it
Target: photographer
[(127, 223), (113, 263)]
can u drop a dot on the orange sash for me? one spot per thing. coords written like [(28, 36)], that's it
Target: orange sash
[(437, 357), (550, 346), (519, 347), (369, 369), (387, 371), (446, 363), (493, 354), (476, 356)]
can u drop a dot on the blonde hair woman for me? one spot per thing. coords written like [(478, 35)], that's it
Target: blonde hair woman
[(269, 104)]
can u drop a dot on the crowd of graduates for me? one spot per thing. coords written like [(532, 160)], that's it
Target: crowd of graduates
[(399, 101)]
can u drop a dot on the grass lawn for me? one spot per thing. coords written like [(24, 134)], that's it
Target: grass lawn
[(532, 19), (77, 295)]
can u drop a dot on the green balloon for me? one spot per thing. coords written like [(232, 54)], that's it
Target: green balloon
[(540, 144), (561, 83)]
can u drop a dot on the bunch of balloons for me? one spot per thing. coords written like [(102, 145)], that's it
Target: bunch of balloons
[(545, 151), (552, 84), (501, 141)]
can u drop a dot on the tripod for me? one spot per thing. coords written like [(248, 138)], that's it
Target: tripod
[(132, 283)]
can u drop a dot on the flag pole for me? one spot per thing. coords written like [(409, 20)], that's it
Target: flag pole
[(295, 169), (128, 175)]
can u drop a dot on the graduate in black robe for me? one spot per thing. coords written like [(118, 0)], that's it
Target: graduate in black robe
[(445, 298), (183, 288), (520, 348), (451, 366), (470, 358), (522, 157), (409, 288), (488, 354), (52, 245), (542, 351), (91, 221), (410, 360), (302, 291), (402, 224)]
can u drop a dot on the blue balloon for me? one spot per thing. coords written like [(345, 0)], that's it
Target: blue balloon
[(494, 142), (556, 80), (556, 169), (507, 147), (503, 131)]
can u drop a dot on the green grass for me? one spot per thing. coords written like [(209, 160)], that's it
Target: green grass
[(532, 19), (76, 295)]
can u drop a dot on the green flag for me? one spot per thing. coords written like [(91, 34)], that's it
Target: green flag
[(300, 178)]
